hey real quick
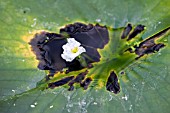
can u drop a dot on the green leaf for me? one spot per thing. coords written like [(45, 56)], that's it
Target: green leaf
[(144, 83)]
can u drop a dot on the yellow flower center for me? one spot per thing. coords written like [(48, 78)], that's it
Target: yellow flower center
[(74, 50)]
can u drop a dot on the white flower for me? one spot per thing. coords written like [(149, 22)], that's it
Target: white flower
[(72, 49)]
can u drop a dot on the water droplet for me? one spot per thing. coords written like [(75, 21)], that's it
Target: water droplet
[(159, 53), (165, 40), (35, 22), (24, 20), (47, 38), (125, 97), (95, 103), (44, 16), (51, 106), (111, 97), (30, 32), (33, 106), (98, 20), (13, 90), (28, 88), (25, 10), (35, 103), (70, 105), (68, 110), (130, 108), (83, 103), (84, 110)]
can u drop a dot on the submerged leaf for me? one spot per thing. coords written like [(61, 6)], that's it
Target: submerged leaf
[(112, 83)]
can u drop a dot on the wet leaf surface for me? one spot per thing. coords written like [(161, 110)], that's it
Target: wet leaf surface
[(144, 83)]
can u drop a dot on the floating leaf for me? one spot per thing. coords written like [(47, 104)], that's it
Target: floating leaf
[(144, 82)]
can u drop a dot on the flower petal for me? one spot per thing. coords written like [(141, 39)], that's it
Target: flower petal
[(68, 55), (73, 42)]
